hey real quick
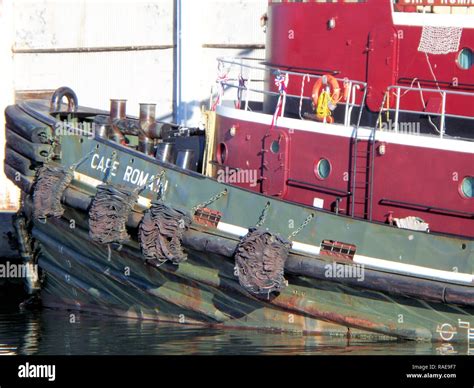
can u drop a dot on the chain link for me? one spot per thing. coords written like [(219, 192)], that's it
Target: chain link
[(158, 179), (73, 167), (210, 200), (161, 186), (263, 216), (303, 225)]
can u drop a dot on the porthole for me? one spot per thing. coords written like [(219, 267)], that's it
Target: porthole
[(467, 187), (275, 146), (322, 168), (464, 60), (221, 153)]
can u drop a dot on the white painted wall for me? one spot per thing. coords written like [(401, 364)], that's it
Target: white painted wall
[(138, 76), (215, 22), (8, 192)]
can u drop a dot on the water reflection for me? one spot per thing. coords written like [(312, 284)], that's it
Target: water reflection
[(62, 332)]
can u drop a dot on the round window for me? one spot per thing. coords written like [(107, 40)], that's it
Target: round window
[(322, 169), (221, 153), (467, 187), (275, 146), (465, 59)]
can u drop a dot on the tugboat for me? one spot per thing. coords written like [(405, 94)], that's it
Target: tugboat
[(295, 207)]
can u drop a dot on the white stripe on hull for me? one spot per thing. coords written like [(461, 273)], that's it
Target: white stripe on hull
[(413, 270), (370, 262), (343, 131), (307, 249)]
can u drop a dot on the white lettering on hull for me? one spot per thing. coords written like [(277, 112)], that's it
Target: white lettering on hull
[(131, 175), (100, 163)]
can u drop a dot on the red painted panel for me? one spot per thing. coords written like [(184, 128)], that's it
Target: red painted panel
[(424, 176), (243, 150), (413, 174), (383, 64), (275, 163), (298, 36), (306, 150)]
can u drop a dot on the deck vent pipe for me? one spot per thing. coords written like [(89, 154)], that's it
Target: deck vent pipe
[(147, 115), (185, 159), (165, 152), (147, 123), (117, 113), (118, 109)]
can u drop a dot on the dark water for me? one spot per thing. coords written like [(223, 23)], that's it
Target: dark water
[(48, 332)]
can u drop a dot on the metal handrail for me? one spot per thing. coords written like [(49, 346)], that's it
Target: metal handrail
[(425, 208), (305, 70), (432, 90), (271, 67), (408, 81), (354, 85), (443, 92), (325, 189)]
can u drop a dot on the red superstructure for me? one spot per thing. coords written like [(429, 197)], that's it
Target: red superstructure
[(370, 41), (396, 142)]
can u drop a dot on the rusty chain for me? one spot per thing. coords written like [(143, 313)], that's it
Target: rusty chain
[(210, 200), (263, 216), (302, 226)]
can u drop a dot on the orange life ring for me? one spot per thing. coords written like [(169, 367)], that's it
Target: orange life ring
[(334, 86), (335, 93)]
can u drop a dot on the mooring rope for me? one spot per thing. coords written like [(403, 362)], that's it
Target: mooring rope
[(50, 184), (260, 262), (160, 234)]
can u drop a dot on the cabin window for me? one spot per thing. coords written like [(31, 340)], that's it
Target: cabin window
[(467, 187), (275, 146), (222, 153), (465, 59), (322, 168)]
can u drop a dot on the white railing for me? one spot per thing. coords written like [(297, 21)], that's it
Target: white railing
[(231, 72), (401, 91), (254, 71)]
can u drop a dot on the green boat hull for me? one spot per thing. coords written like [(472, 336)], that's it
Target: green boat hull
[(204, 289)]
